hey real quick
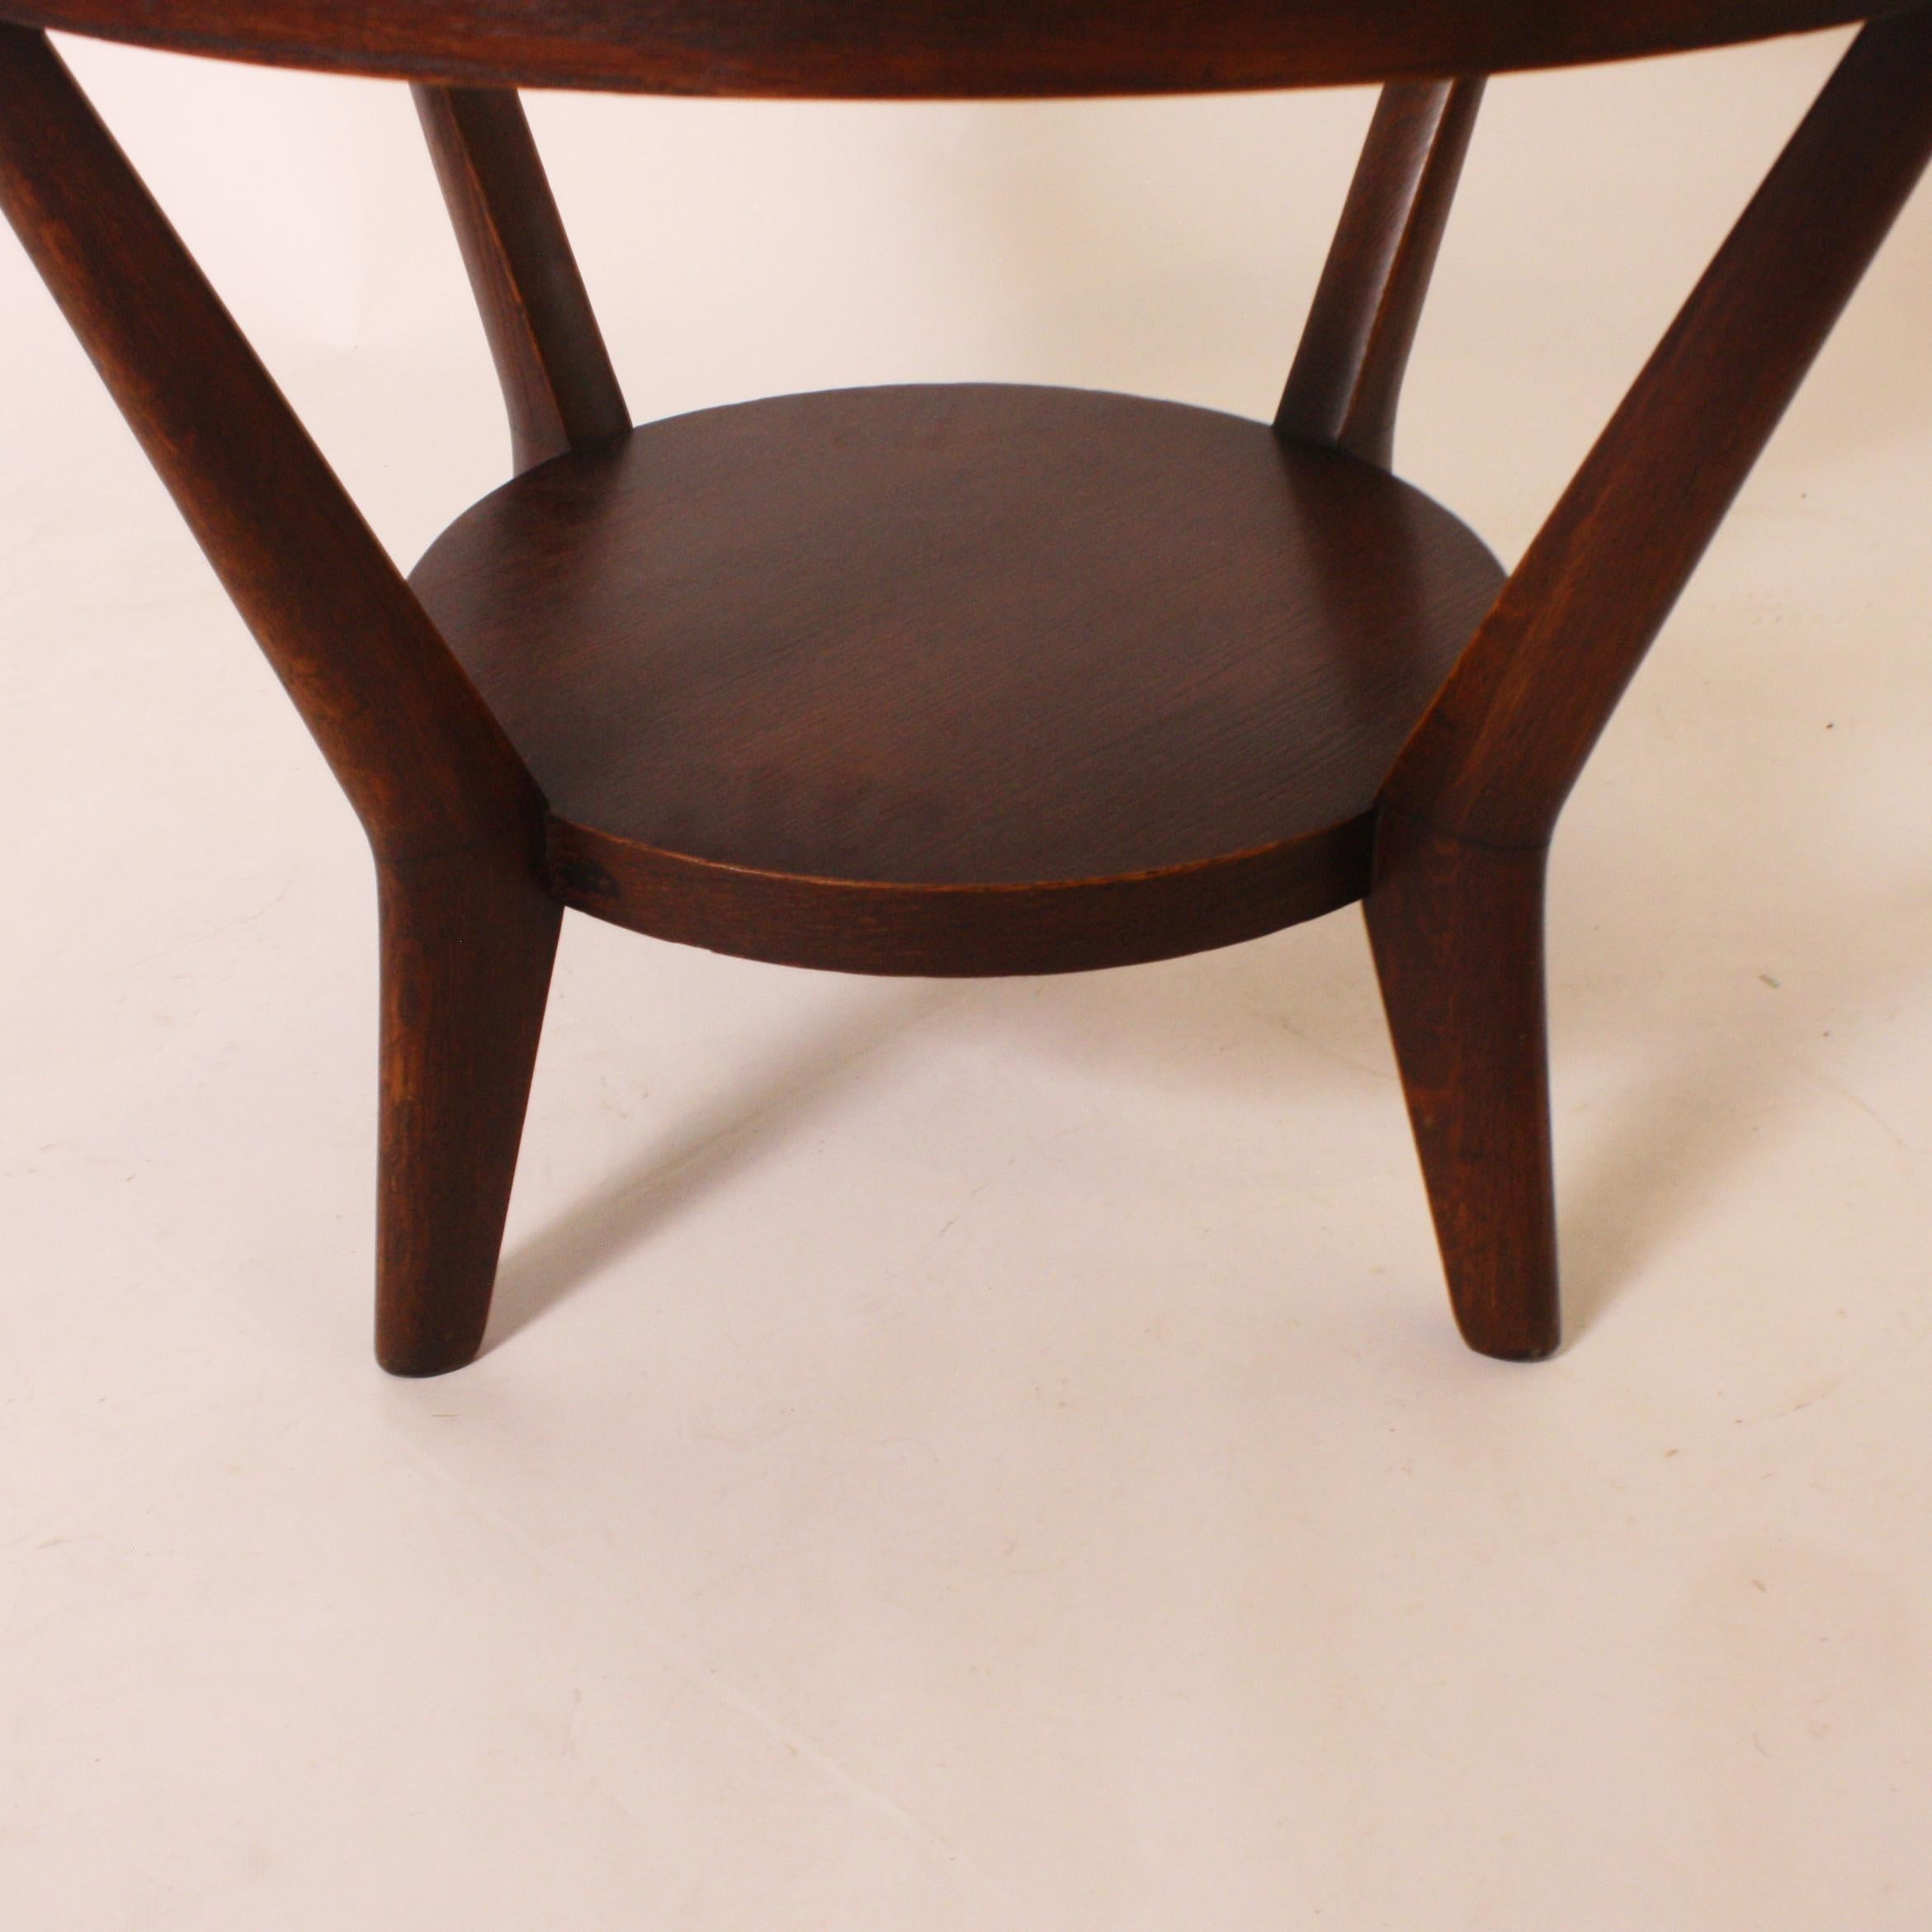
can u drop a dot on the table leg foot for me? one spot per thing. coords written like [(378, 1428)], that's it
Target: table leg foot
[(1458, 933), (468, 940)]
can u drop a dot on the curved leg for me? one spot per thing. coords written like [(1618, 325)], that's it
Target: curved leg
[(1454, 907), (1457, 932), (556, 376), (454, 819), (468, 940)]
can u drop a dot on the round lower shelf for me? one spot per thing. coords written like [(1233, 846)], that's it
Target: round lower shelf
[(958, 679)]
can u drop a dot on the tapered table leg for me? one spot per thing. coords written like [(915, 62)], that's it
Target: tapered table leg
[(455, 820), (1455, 908)]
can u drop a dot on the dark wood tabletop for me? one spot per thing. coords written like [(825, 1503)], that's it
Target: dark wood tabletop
[(934, 48)]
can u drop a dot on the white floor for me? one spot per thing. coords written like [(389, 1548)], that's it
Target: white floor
[(991, 1455)]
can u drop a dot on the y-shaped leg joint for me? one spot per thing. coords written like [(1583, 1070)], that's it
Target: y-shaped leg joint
[(1347, 378), (455, 820), (1455, 908)]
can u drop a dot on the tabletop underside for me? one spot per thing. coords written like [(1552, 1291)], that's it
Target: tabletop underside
[(934, 48)]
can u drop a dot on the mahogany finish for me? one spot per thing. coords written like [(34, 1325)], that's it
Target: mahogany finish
[(1509, 734), (558, 383), (961, 655), (1475, 798), (1347, 377), (967, 680), (911, 50), (423, 761), (454, 820), (1457, 929)]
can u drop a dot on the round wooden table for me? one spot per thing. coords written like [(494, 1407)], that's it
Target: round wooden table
[(969, 679)]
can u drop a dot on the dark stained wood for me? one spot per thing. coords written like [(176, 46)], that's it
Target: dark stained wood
[(452, 816), (910, 48), (468, 939), (942, 932), (977, 680), (1471, 804), (423, 761), (558, 383), (1458, 933), (1347, 379), (898, 680), (1505, 740)]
